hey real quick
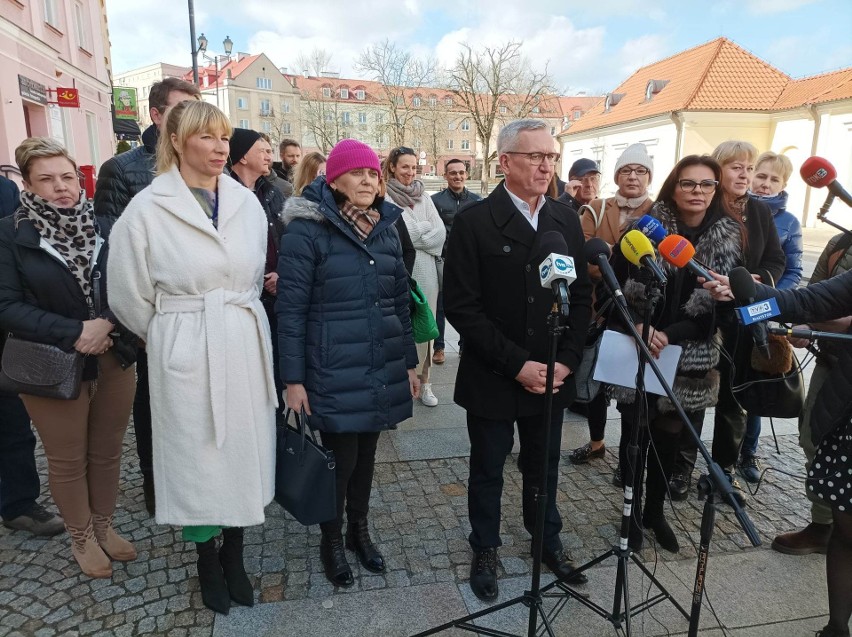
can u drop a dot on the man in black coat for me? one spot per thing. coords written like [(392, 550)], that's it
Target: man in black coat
[(10, 196), (493, 297), (119, 180)]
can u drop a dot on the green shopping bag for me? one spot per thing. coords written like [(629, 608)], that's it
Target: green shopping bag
[(422, 320)]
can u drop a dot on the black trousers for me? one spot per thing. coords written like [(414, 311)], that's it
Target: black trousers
[(142, 415), (597, 409), (19, 482), (355, 459), (490, 443)]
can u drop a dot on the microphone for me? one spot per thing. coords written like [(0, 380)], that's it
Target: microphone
[(651, 228), (819, 173), (678, 251), (597, 253), (636, 247), (744, 291), (556, 271)]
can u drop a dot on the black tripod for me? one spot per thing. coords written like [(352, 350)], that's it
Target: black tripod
[(716, 481), (534, 596)]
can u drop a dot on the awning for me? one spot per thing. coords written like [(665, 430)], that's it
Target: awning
[(125, 128)]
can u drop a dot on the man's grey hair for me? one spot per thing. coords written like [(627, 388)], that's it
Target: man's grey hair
[(508, 138)]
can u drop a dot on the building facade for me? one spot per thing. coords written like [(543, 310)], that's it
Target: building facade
[(45, 46)]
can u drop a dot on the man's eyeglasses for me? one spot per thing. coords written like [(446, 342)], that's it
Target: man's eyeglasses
[(536, 159), (707, 186), (457, 173), (640, 171)]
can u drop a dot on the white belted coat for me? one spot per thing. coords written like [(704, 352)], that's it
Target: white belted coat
[(191, 292)]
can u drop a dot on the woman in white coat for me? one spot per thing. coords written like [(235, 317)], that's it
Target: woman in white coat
[(427, 233), (187, 260)]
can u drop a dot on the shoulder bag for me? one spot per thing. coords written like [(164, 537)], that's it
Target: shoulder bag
[(39, 369), (304, 473), (422, 320)]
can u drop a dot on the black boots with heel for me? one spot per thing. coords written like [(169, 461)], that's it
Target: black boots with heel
[(214, 588), (333, 558), (358, 540), (231, 559)]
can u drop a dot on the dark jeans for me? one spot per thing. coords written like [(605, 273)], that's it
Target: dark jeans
[(355, 459), (142, 415), (441, 321), (19, 482), (752, 436), (490, 444)]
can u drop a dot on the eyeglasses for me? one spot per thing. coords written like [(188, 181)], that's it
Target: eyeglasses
[(402, 150), (457, 173), (640, 171), (707, 186), (536, 159)]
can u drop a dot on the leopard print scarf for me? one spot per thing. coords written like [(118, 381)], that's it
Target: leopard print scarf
[(70, 231)]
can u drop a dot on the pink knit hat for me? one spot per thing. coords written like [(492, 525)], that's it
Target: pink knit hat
[(347, 155)]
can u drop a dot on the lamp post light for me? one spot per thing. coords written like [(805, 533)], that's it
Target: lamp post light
[(227, 45)]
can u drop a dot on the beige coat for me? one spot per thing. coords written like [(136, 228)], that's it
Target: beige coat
[(191, 293), (606, 227)]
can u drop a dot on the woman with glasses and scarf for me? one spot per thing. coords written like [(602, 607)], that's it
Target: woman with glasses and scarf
[(427, 233), (761, 254), (53, 262)]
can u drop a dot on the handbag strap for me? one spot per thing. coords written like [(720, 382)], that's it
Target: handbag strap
[(303, 426)]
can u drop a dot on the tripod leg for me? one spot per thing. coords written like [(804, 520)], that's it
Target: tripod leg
[(708, 519)]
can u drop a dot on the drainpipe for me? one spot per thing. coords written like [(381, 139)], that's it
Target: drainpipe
[(677, 119), (812, 111)]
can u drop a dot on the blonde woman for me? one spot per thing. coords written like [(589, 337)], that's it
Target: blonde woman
[(311, 167), (189, 259), (52, 264)]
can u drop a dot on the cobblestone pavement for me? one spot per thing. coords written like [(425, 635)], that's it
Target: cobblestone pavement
[(419, 517)]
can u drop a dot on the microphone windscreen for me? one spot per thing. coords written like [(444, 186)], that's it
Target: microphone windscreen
[(651, 228), (595, 247), (677, 250), (817, 172), (742, 285), (635, 245), (552, 242)]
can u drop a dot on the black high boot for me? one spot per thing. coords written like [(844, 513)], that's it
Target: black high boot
[(333, 558), (231, 559), (358, 540), (214, 589), (653, 516)]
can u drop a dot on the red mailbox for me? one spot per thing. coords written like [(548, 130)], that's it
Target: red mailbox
[(87, 180)]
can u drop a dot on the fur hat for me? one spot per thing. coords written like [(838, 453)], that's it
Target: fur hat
[(635, 154), (347, 155), (242, 139)]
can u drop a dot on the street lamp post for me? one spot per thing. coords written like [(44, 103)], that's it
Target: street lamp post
[(228, 46), (192, 41)]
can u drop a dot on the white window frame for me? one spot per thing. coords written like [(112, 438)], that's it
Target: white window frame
[(362, 118), (244, 123), (465, 144), (465, 125), (448, 101), (326, 92), (346, 118), (359, 94), (344, 93), (51, 13), (415, 101), (285, 128), (449, 144), (84, 41), (286, 106), (264, 83), (242, 103), (265, 111)]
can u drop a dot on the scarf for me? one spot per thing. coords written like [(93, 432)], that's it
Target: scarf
[(627, 206), (70, 231), (405, 195), (776, 203), (361, 221), (737, 206)]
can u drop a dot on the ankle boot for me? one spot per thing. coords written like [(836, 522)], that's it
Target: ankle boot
[(231, 559), (358, 540), (214, 588), (653, 516), (334, 559), (148, 492), (115, 546), (91, 558)]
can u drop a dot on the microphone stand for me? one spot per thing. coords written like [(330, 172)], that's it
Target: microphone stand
[(715, 482), (531, 598), (821, 215)]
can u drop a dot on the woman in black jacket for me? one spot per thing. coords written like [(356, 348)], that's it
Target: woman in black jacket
[(830, 473), (53, 290), (761, 254)]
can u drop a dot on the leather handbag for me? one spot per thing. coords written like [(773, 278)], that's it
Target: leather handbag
[(422, 320), (773, 394), (39, 369), (304, 473)]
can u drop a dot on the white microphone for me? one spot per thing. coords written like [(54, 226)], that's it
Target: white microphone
[(556, 271)]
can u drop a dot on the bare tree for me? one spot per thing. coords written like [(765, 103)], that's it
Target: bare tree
[(486, 79), (400, 75), (314, 62), (323, 119)]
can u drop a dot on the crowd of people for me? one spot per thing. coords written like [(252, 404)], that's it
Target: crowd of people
[(208, 289)]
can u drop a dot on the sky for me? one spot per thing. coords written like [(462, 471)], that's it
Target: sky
[(589, 46)]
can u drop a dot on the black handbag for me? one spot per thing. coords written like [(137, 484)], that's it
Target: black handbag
[(773, 395), (587, 387), (304, 473), (39, 369)]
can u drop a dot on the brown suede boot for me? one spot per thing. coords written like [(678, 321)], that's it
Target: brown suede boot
[(91, 558), (812, 539), (111, 542)]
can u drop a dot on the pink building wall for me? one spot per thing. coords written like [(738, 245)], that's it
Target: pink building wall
[(71, 51)]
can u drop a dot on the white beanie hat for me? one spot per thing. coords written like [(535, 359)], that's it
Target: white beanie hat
[(635, 154)]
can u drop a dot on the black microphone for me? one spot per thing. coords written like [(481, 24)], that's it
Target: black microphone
[(597, 253), (744, 291), (556, 270)]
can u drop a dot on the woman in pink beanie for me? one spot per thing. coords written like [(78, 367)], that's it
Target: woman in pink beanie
[(347, 353)]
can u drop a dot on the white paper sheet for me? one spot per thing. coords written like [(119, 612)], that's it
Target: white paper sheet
[(618, 360)]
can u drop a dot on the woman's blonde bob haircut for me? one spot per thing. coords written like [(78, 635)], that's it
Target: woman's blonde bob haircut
[(734, 150), (183, 120), (306, 171), (33, 148), (780, 163)]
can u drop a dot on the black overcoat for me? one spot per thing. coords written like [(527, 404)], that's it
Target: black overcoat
[(493, 298)]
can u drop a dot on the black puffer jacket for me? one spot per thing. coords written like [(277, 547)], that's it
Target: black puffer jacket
[(829, 299), (123, 177), (41, 300), (273, 205), (449, 204)]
